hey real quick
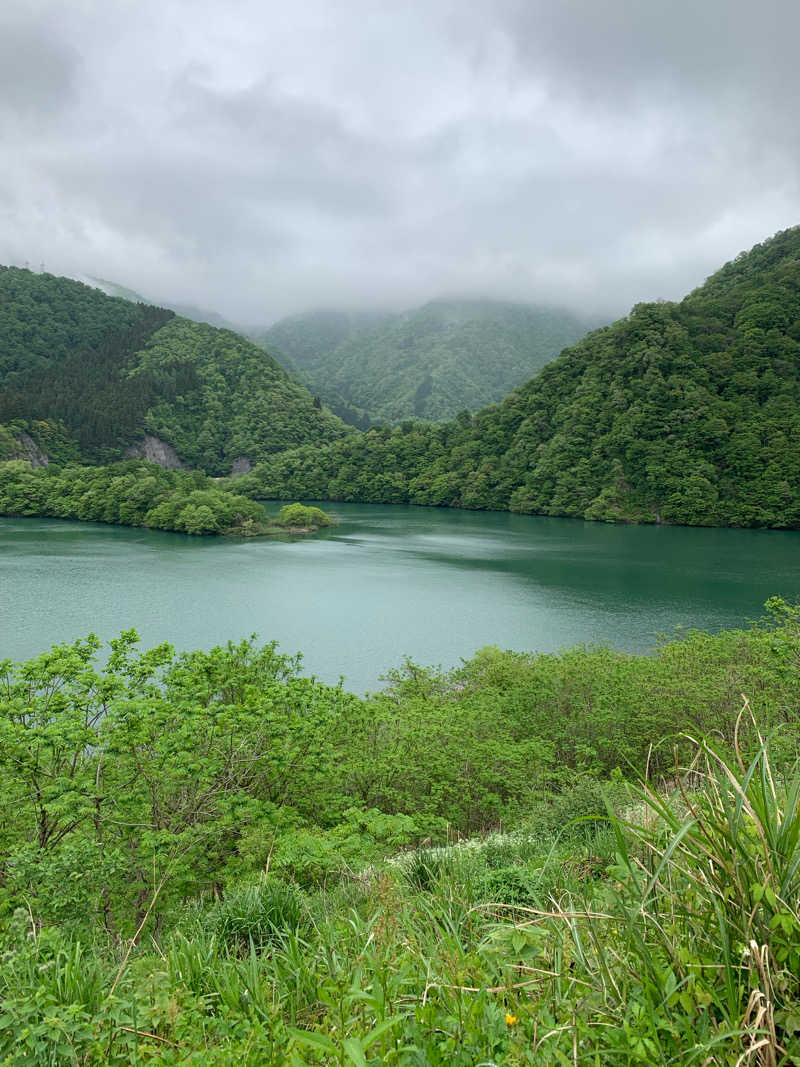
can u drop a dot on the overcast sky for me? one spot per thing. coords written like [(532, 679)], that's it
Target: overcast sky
[(260, 158)]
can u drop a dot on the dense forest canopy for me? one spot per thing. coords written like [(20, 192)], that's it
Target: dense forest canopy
[(110, 370), (64, 348), (220, 397), (430, 362), (129, 493), (45, 320), (306, 340), (682, 412), (304, 343)]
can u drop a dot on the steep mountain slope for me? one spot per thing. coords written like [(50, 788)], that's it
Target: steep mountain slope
[(428, 363), (220, 397), (306, 343), (110, 371), (682, 412)]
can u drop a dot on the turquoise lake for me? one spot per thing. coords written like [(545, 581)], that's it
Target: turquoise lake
[(388, 581)]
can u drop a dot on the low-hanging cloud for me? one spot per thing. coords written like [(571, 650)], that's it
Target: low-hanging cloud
[(259, 158)]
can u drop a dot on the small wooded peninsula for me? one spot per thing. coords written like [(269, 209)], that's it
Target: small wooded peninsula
[(136, 493)]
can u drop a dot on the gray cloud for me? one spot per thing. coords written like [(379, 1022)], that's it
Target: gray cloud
[(38, 71), (260, 159)]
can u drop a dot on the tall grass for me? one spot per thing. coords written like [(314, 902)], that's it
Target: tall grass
[(690, 953), (257, 915), (669, 936)]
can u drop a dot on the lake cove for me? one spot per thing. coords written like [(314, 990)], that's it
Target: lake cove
[(386, 582)]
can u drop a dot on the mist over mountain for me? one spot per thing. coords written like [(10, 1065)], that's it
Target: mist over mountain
[(429, 362), (683, 412), (585, 155), (187, 311)]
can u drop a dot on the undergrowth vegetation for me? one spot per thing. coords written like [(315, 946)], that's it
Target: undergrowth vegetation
[(208, 858)]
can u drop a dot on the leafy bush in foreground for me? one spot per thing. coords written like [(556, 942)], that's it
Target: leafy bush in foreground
[(681, 951), (142, 800)]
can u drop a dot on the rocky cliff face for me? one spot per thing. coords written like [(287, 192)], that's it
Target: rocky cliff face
[(155, 450), (27, 449), (241, 465)]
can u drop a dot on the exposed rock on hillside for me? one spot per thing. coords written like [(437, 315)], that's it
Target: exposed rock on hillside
[(155, 451), (27, 449)]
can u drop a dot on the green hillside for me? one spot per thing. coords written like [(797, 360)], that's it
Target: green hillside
[(110, 371), (429, 363), (219, 397), (682, 412), (305, 343)]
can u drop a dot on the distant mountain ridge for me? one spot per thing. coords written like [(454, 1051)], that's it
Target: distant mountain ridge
[(682, 413), (104, 372), (428, 363), (187, 311), (302, 343)]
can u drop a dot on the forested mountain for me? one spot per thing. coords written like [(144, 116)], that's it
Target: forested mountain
[(220, 397), (306, 340), (430, 363), (305, 343), (109, 371), (682, 412)]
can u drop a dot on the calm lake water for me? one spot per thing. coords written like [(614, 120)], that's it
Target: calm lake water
[(388, 581)]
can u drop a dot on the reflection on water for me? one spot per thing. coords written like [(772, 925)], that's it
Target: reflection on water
[(388, 581)]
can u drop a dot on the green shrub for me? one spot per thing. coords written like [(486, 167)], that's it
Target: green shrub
[(443, 871), (510, 885), (581, 812), (300, 515), (260, 914), (423, 868)]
